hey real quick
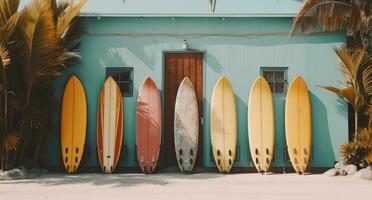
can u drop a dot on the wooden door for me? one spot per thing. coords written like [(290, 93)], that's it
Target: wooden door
[(178, 66)]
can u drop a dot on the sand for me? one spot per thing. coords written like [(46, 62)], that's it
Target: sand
[(174, 186)]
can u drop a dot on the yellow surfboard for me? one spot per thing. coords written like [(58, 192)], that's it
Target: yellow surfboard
[(261, 124), (73, 124), (223, 125), (298, 124)]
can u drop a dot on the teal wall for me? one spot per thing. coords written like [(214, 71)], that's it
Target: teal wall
[(188, 8), (235, 47)]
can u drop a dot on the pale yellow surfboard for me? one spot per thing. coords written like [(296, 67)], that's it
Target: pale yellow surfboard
[(73, 124), (261, 124), (298, 124), (223, 125)]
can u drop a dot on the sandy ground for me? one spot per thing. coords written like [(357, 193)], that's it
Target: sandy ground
[(178, 186)]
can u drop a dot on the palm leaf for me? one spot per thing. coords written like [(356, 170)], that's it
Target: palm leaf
[(43, 56), (350, 61), (11, 142), (213, 5), (4, 57), (331, 15), (66, 17), (7, 9), (58, 7), (365, 77), (349, 95)]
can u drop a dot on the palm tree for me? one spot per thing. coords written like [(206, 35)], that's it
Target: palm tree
[(8, 19), (48, 46), (354, 16), (356, 68)]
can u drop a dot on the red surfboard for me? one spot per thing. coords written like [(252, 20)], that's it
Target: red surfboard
[(148, 126), (109, 125)]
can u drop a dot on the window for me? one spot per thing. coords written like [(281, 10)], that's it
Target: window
[(277, 79), (123, 77)]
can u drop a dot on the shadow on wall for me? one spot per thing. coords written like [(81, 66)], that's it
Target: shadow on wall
[(280, 140), (323, 155), (241, 110), (213, 63), (113, 58)]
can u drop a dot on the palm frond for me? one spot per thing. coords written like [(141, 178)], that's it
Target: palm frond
[(365, 138), (213, 5), (7, 30), (11, 142), (331, 15), (58, 7), (66, 17), (350, 61), (368, 158), (365, 77), (42, 54), (4, 57), (7, 9), (349, 95)]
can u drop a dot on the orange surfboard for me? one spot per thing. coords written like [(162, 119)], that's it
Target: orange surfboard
[(148, 126), (73, 124), (109, 125)]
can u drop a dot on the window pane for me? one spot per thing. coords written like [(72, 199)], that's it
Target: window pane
[(124, 76), (269, 76), (279, 76), (124, 88), (115, 76), (279, 87), (271, 86)]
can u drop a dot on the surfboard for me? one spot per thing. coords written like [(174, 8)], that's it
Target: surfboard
[(298, 124), (261, 124), (148, 126), (73, 124), (109, 125), (186, 126), (223, 125)]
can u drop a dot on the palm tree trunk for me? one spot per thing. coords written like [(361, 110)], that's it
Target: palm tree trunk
[(37, 150), (356, 126), (4, 120)]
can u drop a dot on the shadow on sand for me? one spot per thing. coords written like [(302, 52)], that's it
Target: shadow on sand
[(116, 180)]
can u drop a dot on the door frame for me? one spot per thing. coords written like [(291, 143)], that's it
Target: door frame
[(180, 51)]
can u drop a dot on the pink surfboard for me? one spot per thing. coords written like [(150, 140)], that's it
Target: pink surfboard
[(148, 126)]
